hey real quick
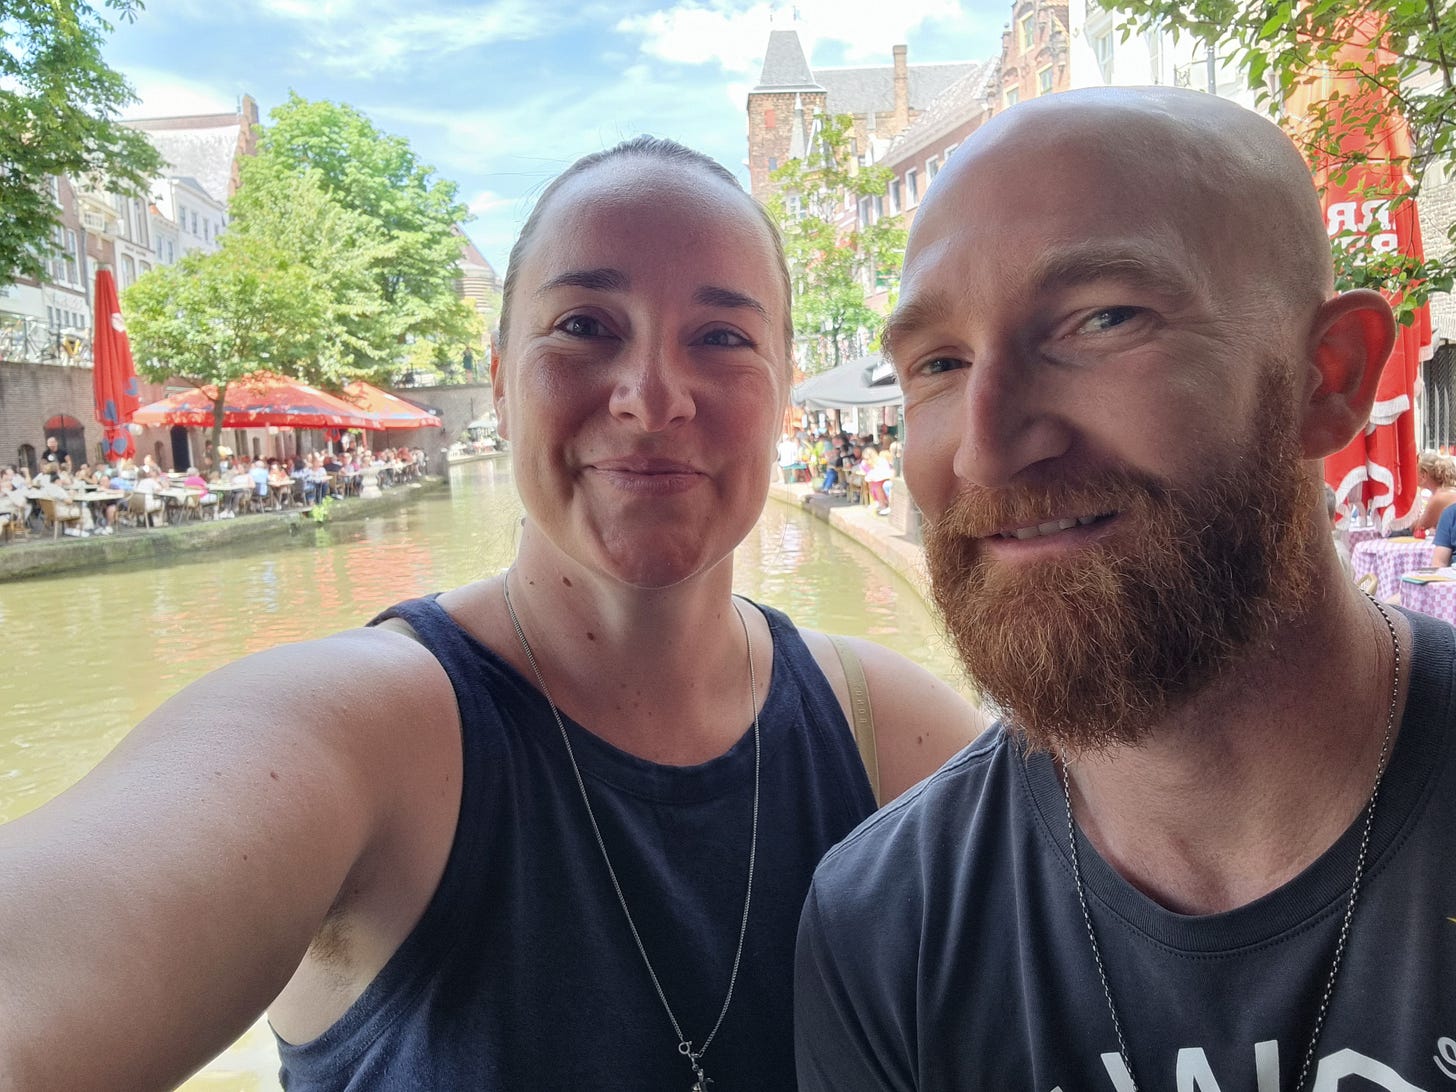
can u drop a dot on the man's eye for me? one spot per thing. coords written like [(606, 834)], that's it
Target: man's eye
[(581, 326), (940, 365), (1109, 318), (726, 339)]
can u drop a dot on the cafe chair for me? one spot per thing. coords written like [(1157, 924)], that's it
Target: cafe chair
[(54, 519), (1368, 583), (136, 508)]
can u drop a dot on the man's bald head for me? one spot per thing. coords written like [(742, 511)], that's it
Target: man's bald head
[(1221, 177)]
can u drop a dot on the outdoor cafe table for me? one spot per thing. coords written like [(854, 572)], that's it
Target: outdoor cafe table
[(282, 493), (1433, 594), (176, 499), (1357, 535), (1388, 559)]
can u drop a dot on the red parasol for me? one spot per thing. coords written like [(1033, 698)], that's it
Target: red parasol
[(392, 411), (113, 374), (257, 401), (1377, 469)]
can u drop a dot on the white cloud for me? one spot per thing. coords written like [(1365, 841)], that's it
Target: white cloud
[(732, 34), (488, 201), (364, 38), (163, 94)]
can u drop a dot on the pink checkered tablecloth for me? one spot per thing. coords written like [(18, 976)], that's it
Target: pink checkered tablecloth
[(1358, 535), (1387, 558), (1436, 598)]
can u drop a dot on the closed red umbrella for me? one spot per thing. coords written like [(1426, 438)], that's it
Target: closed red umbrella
[(113, 376), (392, 411), (1377, 469), (257, 401)]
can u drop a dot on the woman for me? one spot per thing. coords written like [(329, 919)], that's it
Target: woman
[(1436, 474), (551, 829)]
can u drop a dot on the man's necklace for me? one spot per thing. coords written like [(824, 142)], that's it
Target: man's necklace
[(694, 1055), (1369, 809)]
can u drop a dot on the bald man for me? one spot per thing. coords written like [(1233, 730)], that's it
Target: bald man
[(1209, 844)]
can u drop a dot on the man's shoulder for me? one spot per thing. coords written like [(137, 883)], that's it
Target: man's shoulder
[(925, 827)]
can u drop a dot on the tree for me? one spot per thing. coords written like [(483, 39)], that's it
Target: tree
[(1286, 47), (423, 324), (828, 266), (288, 291), (59, 104)]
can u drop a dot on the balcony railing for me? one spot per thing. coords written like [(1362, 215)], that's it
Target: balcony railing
[(25, 339)]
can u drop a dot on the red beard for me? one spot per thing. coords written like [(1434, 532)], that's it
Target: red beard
[(1088, 651)]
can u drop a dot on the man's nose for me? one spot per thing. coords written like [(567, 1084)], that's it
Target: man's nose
[(1010, 419), (654, 388)]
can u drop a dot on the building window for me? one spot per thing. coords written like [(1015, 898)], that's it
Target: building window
[(128, 270), (773, 162), (932, 168), (866, 212), (897, 196), (1102, 50), (912, 189), (946, 157), (1044, 81), (194, 223), (1013, 96), (1028, 30)]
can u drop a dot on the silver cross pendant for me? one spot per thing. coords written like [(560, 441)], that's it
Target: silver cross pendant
[(702, 1083)]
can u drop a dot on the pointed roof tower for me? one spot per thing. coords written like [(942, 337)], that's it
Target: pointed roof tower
[(784, 66)]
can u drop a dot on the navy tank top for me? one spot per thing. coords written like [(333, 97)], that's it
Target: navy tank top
[(522, 973)]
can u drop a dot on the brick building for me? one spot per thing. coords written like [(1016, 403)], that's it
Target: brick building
[(883, 100), (1035, 55)]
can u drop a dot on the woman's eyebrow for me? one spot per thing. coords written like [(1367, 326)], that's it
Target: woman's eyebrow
[(603, 279), (713, 296)]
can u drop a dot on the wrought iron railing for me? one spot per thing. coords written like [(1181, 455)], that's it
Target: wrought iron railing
[(25, 339)]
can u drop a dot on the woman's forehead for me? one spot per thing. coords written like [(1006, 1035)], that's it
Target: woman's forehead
[(643, 213)]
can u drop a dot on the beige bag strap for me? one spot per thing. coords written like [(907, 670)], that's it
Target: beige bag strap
[(863, 717)]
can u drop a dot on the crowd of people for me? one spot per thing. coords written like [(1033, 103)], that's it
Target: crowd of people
[(840, 462), (87, 500)]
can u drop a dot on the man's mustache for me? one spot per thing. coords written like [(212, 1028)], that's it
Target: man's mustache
[(979, 512)]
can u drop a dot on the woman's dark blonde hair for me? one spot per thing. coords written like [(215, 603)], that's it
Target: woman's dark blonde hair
[(1441, 468), (671, 154)]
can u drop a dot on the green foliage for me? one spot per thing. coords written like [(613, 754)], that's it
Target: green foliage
[(320, 511), (59, 104), (1285, 47), (827, 265), (287, 291), (421, 324)]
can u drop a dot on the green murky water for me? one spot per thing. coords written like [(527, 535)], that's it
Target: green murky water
[(89, 654)]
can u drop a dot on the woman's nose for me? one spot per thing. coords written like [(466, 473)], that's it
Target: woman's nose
[(654, 389)]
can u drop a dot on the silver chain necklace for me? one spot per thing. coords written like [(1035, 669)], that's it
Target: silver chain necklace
[(685, 1046), (1319, 1021)]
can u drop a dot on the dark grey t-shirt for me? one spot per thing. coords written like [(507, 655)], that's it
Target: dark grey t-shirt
[(942, 946)]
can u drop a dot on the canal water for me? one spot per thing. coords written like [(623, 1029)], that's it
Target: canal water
[(89, 654)]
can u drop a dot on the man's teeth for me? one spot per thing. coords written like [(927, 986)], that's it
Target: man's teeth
[(1050, 528)]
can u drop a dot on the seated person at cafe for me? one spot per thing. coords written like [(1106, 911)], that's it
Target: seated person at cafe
[(1444, 538), (259, 473), (149, 486), (1436, 474), (195, 480), (58, 490)]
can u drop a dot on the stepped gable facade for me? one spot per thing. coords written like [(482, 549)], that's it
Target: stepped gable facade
[(883, 100)]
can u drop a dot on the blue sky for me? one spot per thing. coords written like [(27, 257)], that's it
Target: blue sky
[(500, 96)]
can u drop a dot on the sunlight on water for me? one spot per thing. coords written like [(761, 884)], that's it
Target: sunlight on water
[(89, 654)]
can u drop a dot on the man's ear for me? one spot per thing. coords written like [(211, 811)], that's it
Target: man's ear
[(1350, 342), (498, 391)]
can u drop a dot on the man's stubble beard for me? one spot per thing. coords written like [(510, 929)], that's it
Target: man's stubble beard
[(1087, 652)]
